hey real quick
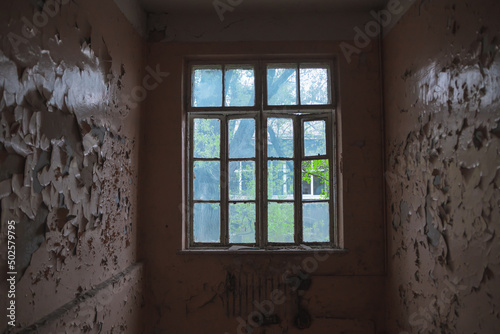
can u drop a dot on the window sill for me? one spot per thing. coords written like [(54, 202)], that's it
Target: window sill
[(259, 251)]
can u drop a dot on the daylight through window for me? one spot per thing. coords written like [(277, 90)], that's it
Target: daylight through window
[(261, 155)]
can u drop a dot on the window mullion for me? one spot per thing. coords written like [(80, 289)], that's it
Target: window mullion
[(260, 200), (298, 136), (223, 86), (297, 87), (330, 151), (190, 234), (224, 184)]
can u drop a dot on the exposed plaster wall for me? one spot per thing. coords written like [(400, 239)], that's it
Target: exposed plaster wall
[(208, 293), (69, 163), (442, 92)]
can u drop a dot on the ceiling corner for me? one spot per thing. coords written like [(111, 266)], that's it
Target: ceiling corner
[(135, 14)]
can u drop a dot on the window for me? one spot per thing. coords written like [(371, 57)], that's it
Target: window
[(261, 154)]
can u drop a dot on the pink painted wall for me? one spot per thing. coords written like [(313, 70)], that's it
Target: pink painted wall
[(442, 93), (69, 165), (208, 293)]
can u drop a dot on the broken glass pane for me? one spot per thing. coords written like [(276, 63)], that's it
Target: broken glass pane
[(314, 138), (241, 138), (206, 180), (207, 86), (206, 138), (280, 137), (206, 222), (281, 85), (280, 179), (316, 222), (280, 222), (315, 179), (241, 180), (239, 86), (314, 85), (242, 223)]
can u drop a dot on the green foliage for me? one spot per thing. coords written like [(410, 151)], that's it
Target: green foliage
[(242, 223), (206, 138), (280, 222), (321, 171), (241, 136)]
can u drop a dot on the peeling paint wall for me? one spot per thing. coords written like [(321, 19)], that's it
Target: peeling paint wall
[(69, 164), (442, 93), (220, 293)]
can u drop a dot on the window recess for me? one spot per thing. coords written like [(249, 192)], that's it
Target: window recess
[(261, 162)]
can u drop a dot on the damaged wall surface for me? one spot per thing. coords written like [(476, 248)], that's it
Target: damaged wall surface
[(69, 164), (220, 293), (442, 92)]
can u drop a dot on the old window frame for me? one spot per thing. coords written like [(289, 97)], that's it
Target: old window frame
[(260, 112)]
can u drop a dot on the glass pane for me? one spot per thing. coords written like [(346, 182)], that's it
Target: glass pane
[(316, 222), (206, 180), (206, 138), (280, 137), (280, 179), (281, 85), (315, 179), (206, 223), (242, 138), (241, 180), (207, 86), (239, 86), (242, 223), (280, 222), (314, 138), (314, 85)]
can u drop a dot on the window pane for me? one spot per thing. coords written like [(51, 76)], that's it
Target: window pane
[(315, 179), (242, 138), (280, 179), (242, 223), (314, 85), (316, 222), (280, 222), (206, 138), (206, 180), (314, 138), (281, 85), (206, 223), (280, 137), (207, 86), (239, 86), (241, 180)]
